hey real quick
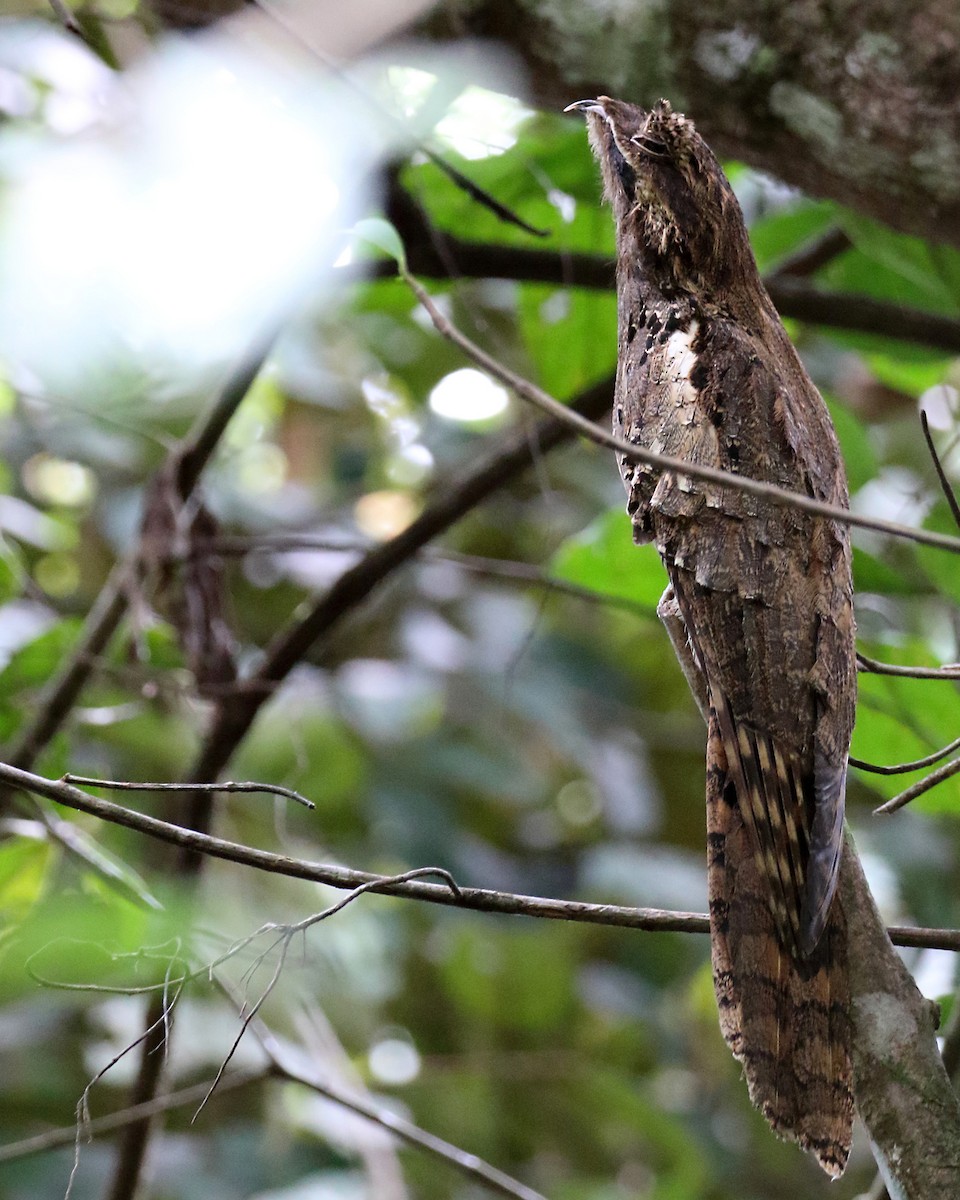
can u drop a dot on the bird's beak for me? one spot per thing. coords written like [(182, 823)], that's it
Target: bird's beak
[(585, 106)]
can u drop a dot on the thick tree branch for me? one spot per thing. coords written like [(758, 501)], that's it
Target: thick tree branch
[(436, 254), (903, 1093), (502, 462), (859, 104)]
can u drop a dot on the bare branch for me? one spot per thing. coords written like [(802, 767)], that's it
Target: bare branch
[(875, 667), (816, 254), (924, 785), (153, 1041), (481, 195), (945, 485), (476, 899), (126, 785), (904, 768), (54, 1139)]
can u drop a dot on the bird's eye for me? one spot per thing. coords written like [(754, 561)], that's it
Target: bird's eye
[(650, 145)]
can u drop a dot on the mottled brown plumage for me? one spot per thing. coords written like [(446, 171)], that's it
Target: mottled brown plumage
[(707, 373)]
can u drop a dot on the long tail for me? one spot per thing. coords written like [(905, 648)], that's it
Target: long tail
[(786, 1019)]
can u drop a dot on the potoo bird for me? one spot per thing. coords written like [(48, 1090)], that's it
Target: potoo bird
[(707, 374)]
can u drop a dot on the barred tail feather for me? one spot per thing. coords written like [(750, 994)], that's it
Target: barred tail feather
[(785, 1018)]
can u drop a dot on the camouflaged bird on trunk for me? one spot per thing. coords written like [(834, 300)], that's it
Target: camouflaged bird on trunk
[(707, 373)]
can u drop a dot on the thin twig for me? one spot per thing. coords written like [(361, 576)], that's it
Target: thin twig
[(906, 767), (126, 785), (924, 785), (945, 486), (66, 17), (469, 1164), (481, 195), (154, 1038), (54, 1139), (875, 667), (287, 934), (742, 483), (476, 899)]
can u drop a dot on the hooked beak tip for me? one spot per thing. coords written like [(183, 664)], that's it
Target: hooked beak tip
[(584, 106)]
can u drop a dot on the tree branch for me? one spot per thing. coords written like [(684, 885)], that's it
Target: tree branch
[(467, 1164), (947, 771), (54, 1139), (476, 899), (435, 254), (875, 667)]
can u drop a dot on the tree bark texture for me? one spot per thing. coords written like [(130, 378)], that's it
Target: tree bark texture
[(851, 99)]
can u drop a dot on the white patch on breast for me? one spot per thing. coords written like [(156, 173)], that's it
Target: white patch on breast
[(680, 362)]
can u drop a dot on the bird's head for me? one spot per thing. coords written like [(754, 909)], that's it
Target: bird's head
[(673, 204)]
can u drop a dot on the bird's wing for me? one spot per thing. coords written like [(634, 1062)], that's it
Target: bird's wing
[(764, 591)]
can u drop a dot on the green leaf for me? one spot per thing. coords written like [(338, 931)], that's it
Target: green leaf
[(380, 233), (604, 559), (900, 266), (571, 335), (858, 456), (782, 233), (36, 661), (902, 719)]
